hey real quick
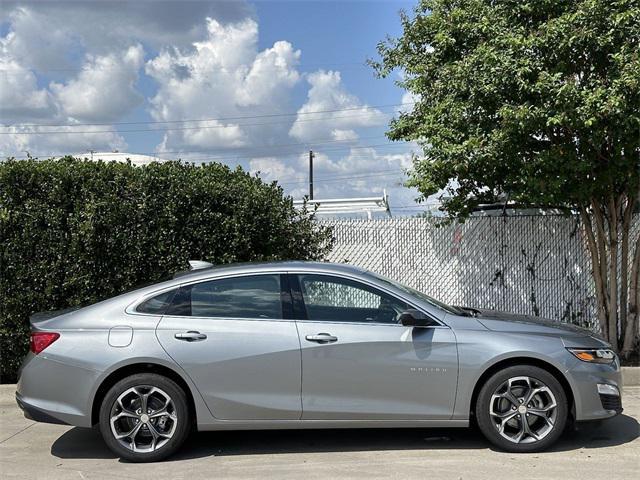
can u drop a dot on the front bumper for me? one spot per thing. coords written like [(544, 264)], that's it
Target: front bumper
[(590, 404), (612, 403)]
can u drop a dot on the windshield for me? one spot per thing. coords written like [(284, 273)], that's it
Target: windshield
[(419, 294)]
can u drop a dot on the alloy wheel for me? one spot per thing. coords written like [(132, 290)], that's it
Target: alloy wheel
[(523, 409), (143, 418)]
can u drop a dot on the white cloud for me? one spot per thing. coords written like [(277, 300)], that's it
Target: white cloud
[(286, 172), (35, 40), (20, 97), (16, 143), (365, 173), (326, 94), (47, 31), (22, 100), (223, 76), (360, 173), (101, 91), (361, 161), (272, 168), (407, 101), (105, 88), (271, 77), (344, 135)]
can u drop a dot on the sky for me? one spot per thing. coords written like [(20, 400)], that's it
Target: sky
[(255, 84)]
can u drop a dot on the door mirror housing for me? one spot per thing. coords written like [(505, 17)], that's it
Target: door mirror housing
[(415, 318)]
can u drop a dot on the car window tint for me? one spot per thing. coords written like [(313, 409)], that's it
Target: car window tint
[(158, 304), (335, 299), (181, 304), (256, 296)]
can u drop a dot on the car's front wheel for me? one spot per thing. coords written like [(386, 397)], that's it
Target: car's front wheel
[(522, 409), (144, 418)]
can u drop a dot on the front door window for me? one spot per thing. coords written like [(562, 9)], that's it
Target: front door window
[(336, 299)]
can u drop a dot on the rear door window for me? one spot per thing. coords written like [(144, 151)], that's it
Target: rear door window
[(251, 296)]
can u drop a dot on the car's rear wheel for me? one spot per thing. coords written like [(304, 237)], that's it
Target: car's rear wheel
[(522, 409), (145, 418)]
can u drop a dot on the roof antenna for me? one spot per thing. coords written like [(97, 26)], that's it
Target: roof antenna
[(199, 264)]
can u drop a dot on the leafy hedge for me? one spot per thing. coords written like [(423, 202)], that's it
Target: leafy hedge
[(73, 232)]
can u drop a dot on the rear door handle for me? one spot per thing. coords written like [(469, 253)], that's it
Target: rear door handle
[(322, 338), (191, 336)]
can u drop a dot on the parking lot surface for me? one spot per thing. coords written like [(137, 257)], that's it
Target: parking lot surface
[(608, 450)]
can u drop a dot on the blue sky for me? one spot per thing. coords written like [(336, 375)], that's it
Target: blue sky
[(256, 72), (337, 35)]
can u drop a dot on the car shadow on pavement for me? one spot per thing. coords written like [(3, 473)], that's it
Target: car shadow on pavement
[(87, 443)]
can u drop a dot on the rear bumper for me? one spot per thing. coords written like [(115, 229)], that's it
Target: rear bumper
[(50, 391), (36, 414)]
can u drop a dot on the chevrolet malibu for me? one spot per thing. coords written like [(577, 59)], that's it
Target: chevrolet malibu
[(307, 345)]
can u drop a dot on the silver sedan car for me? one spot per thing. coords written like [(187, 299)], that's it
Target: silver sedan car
[(294, 345)]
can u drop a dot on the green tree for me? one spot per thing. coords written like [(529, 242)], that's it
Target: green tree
[(537, 101)]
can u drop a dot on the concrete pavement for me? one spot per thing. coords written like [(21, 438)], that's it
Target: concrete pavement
[(608, 450)]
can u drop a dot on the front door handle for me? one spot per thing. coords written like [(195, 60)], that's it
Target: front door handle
[(191, 336), (322, 338)]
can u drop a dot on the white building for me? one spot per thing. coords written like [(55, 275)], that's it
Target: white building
[(135, 158)]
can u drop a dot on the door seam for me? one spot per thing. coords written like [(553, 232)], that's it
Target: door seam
[(301, 370)]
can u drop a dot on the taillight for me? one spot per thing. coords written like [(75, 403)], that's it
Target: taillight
[(41, 340)]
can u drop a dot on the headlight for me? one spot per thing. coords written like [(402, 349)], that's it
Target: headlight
[(594, 355)]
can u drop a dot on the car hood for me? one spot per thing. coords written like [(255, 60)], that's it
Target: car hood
[(511, 322)]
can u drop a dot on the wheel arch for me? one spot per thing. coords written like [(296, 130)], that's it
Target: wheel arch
[(532, 361), (141, 367)]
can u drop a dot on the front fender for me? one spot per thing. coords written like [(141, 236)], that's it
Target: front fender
[(485, 351)]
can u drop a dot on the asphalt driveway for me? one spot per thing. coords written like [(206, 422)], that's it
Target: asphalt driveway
[(610, 450)]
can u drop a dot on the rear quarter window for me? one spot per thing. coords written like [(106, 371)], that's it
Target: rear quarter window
[(157, 305)]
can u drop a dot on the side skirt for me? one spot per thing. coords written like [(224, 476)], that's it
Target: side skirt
[(318, 424)]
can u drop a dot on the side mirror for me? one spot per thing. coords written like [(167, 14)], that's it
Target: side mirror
[(415, 318)]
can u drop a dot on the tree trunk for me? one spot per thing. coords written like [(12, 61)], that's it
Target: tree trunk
[(607, 229), (624, 260), (631, 330), (613, 272), (596, 271), (602, 265)]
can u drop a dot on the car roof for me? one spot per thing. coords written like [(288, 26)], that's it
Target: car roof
[(247, 267)]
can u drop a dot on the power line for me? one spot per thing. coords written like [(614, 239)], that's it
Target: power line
[(202, 127), (221, 119), (340, 178), (333, 149), (260, 148), (246, 156), (343, 175), (101, 68)]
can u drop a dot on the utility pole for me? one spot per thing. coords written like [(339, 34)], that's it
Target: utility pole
[(311, 155)]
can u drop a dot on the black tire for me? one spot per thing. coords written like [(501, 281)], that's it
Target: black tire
[(178, 407), (488, 423)]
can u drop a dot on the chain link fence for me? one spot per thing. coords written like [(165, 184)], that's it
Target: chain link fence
[(523, 264)]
